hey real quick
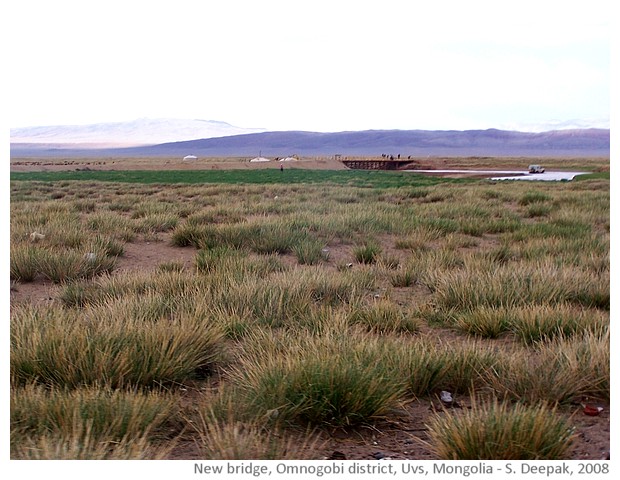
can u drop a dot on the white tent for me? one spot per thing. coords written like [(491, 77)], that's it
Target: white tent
[(260, 159), (288, 159), (189, 157)]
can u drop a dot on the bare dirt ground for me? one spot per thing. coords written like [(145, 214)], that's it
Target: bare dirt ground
[(397, 437), (58, 164)]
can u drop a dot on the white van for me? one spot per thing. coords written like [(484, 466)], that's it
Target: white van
[(536, 169)]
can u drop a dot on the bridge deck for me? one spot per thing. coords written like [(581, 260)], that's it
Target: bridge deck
[(376, 164)]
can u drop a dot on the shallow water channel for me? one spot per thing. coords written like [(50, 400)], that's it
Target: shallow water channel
[(511, 174)]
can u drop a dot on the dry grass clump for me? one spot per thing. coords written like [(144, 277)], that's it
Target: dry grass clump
[(111, 224), (529, 323), (171, 266), (534, 197), (483, 321), (419, 239), (55, 242), (429, 367), (522, 284), (383, 317), (24, 262), (110, 414), (367, 253), (242, 441), (495, 430), (66, 266), (61, 266), (222, 437), (155, 223), (559, 371), (535, 323), (187, 235), (404, 277), (82, 445), (104, 346), (91, 423), (310, 251), (335, 379)]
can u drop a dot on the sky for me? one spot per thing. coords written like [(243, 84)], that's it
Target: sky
[(311, 65)]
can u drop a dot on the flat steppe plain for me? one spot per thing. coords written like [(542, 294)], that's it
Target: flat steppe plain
[(312, 163), (392, 436)]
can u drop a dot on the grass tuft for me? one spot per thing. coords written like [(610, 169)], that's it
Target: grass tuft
[(383, 316), (24, 263), (310, 252), (332, 380), (367, 253), (494, 430)]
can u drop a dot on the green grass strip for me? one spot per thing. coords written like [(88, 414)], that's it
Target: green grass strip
[(593, 176), (356, 178)]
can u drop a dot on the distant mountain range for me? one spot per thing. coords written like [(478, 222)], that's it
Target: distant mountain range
[(224, 143)]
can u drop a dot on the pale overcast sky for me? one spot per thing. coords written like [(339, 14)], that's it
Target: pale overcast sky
[(311, 65)]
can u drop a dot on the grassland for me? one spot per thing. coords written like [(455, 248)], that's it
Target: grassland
[(354, 178), (315, 302)]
